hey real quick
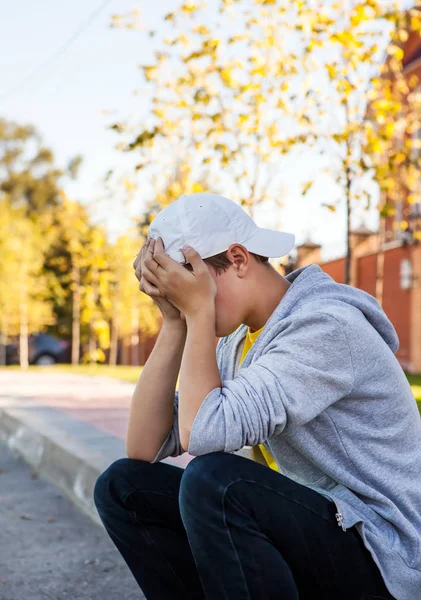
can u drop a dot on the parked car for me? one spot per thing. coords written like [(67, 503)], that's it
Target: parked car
[(44, 349)]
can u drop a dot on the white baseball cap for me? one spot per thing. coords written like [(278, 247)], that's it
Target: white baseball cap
[(210, 224)]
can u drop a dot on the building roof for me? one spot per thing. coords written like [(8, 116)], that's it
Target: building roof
[(363, 230), (309, 244)]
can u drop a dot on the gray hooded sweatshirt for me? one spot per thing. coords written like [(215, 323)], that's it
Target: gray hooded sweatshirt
[(322, 389)]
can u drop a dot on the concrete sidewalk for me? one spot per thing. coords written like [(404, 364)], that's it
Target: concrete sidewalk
[(68, 428), (49, 550)]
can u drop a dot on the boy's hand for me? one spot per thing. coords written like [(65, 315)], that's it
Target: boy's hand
[(169, 312), (190, 291)]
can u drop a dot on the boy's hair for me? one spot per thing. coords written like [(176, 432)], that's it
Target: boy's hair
[(220, 262)]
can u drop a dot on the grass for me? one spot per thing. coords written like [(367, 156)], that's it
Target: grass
[(415, 383), (132, 374), (120, 372)]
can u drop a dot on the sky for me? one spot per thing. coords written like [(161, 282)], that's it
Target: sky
[(73, 99)]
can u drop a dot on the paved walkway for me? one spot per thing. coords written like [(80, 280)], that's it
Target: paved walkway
[(100, 401), (49, 549)]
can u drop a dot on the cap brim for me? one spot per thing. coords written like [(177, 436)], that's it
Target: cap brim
[(270, 243)]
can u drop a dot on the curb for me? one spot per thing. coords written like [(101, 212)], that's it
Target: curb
[(69, 453)]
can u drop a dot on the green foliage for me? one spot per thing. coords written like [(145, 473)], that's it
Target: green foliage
[(23, 291), (106, 286), (59, 272), (28, 175)]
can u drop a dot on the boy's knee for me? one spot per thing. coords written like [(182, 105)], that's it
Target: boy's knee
[(102, 493), (201, 478)]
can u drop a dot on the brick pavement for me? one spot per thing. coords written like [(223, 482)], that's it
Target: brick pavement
[(102, 402)]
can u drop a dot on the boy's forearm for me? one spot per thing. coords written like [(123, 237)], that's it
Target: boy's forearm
[(199, 372), (152, 407)]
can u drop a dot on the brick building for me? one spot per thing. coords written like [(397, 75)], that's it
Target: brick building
[(401, 294), (388, 270)]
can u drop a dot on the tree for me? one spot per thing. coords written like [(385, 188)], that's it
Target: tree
[(96, 295), (30, 186), (59, 269), (24, 305), (65, 265), (394, 134), (240, 94), (28, 174), (168, 190), (131, 311), (225, 94), (349, 42)]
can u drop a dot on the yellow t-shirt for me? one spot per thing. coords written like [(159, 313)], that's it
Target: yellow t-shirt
[(251, 337)]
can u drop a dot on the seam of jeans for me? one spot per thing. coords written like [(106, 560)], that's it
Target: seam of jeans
[(266, 487), (231, 540), (283, 495), (144, 530), (149, 492)]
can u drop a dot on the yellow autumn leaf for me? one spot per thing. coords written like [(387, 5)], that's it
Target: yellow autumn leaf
[(395, 51), (332, 71), (201, 30), (189, 7), (128, 184), (259, 71), (305, 187), (149, 72)]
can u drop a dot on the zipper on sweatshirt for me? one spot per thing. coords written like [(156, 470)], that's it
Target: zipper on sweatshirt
[(340, 520), (338, 515)]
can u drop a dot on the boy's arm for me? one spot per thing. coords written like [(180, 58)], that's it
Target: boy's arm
[(199, 372), (152, 408), (305, 369), (153, 421)]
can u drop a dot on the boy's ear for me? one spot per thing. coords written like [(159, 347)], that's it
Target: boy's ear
[(240, 258)]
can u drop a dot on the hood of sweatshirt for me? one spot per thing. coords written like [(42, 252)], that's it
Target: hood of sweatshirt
[(311, 284)]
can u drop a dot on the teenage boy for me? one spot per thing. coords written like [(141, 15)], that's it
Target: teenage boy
[(306, 371)]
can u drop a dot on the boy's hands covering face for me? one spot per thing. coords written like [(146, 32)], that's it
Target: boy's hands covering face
[(191, 291), (168, 310)]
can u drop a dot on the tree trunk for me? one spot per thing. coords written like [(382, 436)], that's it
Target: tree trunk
[(76, 315), (23, 320), (348, 256), (134, 340), (3, 341), (91, 344), (92, 337), (380, 261), (114, 341)]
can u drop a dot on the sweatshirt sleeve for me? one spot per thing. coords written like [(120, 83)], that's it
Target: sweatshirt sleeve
[(305, 368), (172, 445)]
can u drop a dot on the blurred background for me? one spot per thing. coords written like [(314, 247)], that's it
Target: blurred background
[(305, 113)]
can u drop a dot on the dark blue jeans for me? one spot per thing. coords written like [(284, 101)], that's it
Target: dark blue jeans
[(227, 527)]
